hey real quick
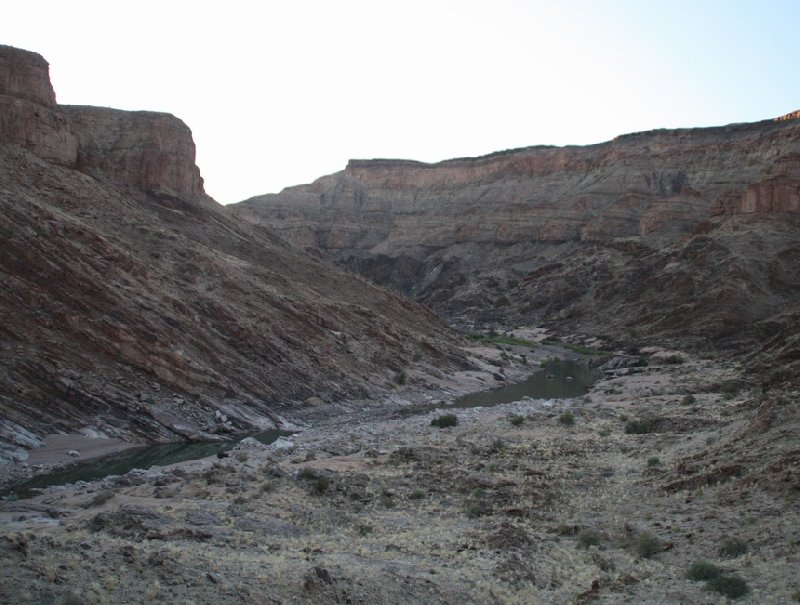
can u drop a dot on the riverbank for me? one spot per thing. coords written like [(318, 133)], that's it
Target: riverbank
[(492, 366), (659, 467)]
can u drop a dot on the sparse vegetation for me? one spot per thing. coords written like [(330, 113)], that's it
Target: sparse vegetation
[(417, 356), (641, 426), (400, 378), (417, 494), (102, 497), (647, 545), (493, 338), (642, 362), (674, 359), (653, 462), (566, 419), (474, 510), (689, 400), (321, 485), (730, 586), (445, 421), (703, 570), (517, 419), (734, 547), (307, 474), (588, 537)]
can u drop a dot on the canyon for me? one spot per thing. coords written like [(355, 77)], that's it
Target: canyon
[(136, 309), (686, 236)]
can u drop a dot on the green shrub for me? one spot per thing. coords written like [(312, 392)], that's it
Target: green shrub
[(703, 570), (647, 545), (320, 486), (73, 598), (400, 377), (588, 537), (653, 462), (567, 530), (493, 338), (734, 547), (445, 421), (417, 494), (689, 399), (474, 510), (641, 426), (730, 586), (642, 362), (566, 419), (517, 420), (102, 497)]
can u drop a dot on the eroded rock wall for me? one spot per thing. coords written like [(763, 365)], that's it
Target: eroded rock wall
[(148, 150), (29, 116), (675, 234)]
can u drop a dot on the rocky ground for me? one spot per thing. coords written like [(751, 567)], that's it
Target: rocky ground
[(661, 466)]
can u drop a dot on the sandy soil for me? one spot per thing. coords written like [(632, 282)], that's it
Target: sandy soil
[(57, 448)]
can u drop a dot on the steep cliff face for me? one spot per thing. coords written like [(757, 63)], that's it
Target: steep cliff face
[(151, 151), (29, 115), (653, 186), (133, 305), (684, 233)]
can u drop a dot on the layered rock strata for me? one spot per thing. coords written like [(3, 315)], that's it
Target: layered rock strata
[(687, 234), (148, 150), (135, 306), (29, 115)]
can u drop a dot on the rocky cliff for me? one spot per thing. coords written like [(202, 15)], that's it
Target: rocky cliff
[(133, 305), (689, 234), (29, 115), (147, 150), (654, 186)]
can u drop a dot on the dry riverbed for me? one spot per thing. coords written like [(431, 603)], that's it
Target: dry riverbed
[(529, 502)]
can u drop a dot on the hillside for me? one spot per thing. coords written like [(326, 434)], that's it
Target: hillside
[(135, 306)]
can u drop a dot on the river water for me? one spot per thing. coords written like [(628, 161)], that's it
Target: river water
[(141, 457), (559, 379)]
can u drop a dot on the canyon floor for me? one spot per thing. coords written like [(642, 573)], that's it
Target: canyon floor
[(663, 465)]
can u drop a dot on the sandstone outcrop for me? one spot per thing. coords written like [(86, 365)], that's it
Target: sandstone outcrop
[(135, 306), (148, 150)]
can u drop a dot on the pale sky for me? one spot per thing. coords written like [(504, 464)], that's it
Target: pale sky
[(280, 93)]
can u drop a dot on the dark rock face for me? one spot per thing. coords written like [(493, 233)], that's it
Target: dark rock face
[(135, 305)]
